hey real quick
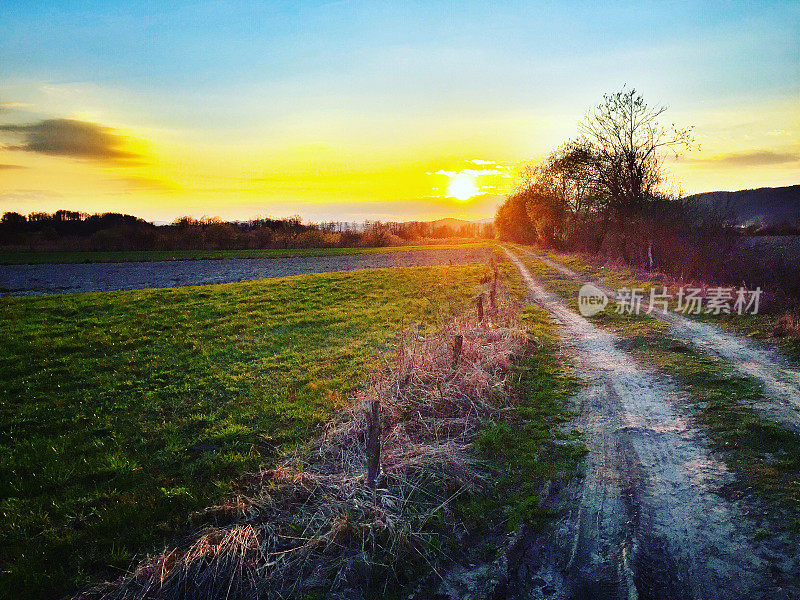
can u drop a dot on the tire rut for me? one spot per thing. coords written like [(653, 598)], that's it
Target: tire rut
[(646, 520)]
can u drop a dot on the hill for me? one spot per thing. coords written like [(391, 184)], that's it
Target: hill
[(451, 223), (762, 207)]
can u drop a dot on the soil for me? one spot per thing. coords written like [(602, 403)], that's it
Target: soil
[(25, 280)]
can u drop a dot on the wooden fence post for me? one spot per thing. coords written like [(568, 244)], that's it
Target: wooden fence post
[(480, 307), (373, 442), (457, 349), (493, 293)]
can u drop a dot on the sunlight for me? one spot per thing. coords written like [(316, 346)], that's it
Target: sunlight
[(462, 187)]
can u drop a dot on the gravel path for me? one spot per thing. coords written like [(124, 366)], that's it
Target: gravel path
[(646, 520), (25, 280)]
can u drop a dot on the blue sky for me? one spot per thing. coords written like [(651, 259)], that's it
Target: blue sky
[(221, 94)]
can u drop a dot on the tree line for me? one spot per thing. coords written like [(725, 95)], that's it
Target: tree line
[(78, 231)]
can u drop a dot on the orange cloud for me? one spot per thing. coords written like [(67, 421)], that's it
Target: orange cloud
[(752, 158)]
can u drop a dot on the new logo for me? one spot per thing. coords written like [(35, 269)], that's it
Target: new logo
[(591, 300)]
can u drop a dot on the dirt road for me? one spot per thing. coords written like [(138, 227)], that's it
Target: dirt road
[(781, 380), (646, 521)]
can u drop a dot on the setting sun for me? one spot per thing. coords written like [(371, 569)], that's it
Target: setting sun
[(462, 187)]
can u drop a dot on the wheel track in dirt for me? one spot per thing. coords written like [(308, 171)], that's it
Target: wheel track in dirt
[(646, 520), (781, 381)]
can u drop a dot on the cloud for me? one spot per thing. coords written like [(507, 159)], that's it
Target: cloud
[(11, 167), (752, 158), (27, 196), (69, 137), (473, 172), (10, 105), (480, 161)]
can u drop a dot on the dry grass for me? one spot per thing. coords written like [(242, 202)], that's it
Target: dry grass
[(787, 325), (313, 523)]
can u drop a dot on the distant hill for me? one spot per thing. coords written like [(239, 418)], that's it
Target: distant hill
[(763, 207), (451, 223)]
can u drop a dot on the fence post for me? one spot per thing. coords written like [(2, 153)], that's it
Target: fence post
[(373, 442), (480, 307), (457, 349), (493, 292)]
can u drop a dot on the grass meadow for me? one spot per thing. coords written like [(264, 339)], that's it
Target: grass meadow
[(124, 412)]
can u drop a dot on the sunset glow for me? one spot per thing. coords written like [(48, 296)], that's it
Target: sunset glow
[(354, 111)]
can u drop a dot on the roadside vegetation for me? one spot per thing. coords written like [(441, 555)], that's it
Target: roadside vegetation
[(125, 412), (774, 324), (603, 194), (535, 446)]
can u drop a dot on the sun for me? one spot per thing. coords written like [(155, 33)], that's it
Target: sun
[(462, 187)]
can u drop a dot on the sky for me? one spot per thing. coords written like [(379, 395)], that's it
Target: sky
[(371, 110)]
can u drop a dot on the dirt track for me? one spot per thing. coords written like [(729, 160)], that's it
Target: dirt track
[(25, 280), (781, 381), (647, 519)]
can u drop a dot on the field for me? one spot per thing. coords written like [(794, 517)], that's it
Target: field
[(33, 279), (128, 414), (35, 257), (125, 411)]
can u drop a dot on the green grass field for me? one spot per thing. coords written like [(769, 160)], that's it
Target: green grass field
[(25, 257), (123, 412)]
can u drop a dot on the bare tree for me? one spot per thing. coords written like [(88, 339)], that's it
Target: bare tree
[(623, 143), (604, 182), (570, 167)]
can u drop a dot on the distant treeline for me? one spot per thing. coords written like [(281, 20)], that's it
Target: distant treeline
[(75, 231)]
